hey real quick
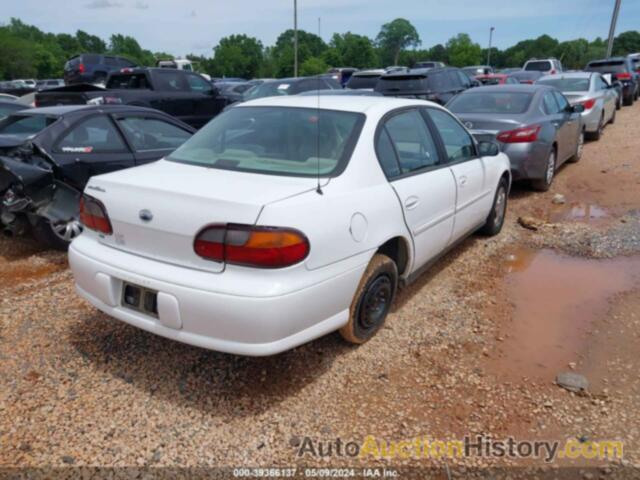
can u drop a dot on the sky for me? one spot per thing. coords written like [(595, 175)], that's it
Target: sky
[(195, 26)]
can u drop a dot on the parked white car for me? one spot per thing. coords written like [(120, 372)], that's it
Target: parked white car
[(284, 219)]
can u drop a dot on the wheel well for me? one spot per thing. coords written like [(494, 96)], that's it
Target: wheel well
[(398, 251), (507, 176)]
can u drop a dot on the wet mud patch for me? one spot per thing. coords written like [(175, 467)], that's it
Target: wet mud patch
[(556, 300)]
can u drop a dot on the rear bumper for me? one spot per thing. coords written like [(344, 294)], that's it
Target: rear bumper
[(528, 160), (204, 315), (591, 119)]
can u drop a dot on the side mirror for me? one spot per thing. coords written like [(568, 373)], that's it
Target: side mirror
[(488, 149), (578, 108), (475, 83)]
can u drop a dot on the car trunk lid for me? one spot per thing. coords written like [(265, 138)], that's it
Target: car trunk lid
[(486, 127), (156, 210)]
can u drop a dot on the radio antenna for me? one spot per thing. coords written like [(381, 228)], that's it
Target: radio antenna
[(318, 187)]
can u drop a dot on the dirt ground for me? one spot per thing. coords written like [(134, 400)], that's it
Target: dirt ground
[(472, 348)]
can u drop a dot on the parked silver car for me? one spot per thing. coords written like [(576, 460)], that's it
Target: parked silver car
[(535, 125), (591, 90)]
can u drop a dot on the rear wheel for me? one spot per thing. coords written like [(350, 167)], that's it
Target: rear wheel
[(543, 184), (580, 146), (372, 300), (613, 118), (495, 220), (595, 136), (57, 235), (628, 101)]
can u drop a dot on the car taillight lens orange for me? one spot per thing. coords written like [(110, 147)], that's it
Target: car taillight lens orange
[(93, 215), (252, 246)]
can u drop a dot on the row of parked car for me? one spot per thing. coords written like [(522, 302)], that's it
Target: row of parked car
[(297, 211)]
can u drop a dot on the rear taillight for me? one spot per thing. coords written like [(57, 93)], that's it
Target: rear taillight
[(552, 72), (623, 76), (93, 215), (252, 246), (81, 68), (520, 135), (588, 104)]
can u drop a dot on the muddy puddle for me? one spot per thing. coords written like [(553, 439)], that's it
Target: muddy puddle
[(556, 299), (579, 212)]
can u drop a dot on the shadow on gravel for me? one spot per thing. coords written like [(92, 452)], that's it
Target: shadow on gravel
[(17, 248), (197, 378)]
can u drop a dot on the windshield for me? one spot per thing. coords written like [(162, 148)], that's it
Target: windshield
[(538, 66), (24, 125), (567, 84), (494, 102), (269, 89), (275, 140)]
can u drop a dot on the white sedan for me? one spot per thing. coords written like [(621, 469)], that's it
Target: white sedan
[(284, 219)]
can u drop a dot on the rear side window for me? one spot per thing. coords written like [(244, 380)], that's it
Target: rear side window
[(387, 155), (90, 59), (147, 134), (539, 66), (168, 80), (94, 135), (111, 62), (438, 82), (126, 81), (457, 141), (412, 141)]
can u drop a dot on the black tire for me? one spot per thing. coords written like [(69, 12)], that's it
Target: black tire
[(619, 104), (495, 220), (44, 233), (613, 118), (372, 300), (628, 101), (595, 136), (543, 184), (580, 146)]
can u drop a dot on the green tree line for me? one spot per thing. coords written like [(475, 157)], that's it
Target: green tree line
[(26, 51)]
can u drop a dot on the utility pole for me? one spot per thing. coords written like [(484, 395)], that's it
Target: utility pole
[(295, 38), (612, 28), (490, 41)]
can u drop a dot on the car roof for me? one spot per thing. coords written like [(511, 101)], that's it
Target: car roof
[(66, 109), (346, 103), (568, 75), (509, 88)]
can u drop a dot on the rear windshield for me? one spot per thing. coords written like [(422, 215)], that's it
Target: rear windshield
[(275, 140), (363, 81), (402, 83), (607, 67), (25, 125), (270, 89), (491, 102), (542, 66), (489, 80), (567, 84)]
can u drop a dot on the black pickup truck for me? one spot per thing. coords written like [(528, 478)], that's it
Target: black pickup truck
[(182, 94)]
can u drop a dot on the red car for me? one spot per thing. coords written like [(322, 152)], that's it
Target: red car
[(496, 79)]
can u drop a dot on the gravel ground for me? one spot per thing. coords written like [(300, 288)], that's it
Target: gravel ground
[(80, 389)]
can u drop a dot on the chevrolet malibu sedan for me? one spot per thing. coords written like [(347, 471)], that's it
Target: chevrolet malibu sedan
[(592, 91), (285, 219), (535, 124)]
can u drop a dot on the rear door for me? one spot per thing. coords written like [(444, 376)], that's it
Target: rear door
[(424, 185), (472, 196), (92, 146), (558, 120), (151, 137)]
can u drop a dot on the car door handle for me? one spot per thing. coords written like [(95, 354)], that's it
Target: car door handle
[(411, 203), (462, 181)]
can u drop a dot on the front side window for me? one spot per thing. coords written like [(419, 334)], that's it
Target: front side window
[(147, 134), (94, 135), (198, 84), (562, 101), (275, 140), (168, 80), (412, 141), (457, 141)]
